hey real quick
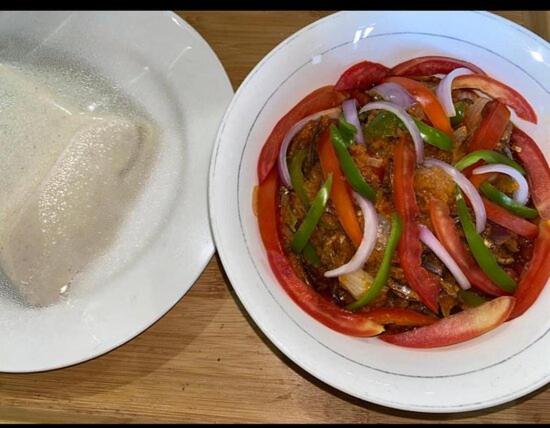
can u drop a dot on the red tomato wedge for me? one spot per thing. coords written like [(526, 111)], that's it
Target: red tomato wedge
[(534, 277), (430, 65), (498, 91), (446, 232), (506, 219), (340, 193), (494, 118), (427, 99), (303, 295), (318, 100), (458, 327), (399, 316), (538, 171), (363, 75), (410, 247)]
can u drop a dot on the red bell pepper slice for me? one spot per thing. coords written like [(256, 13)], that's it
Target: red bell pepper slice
[(363, 75), (538, 171), (410, 247), (535, 276), (399, 316), (430, 65), (494, 118), (429, 102), (456, 328), (340, 193), (446, 232), (314, 304), (498, 91), (321, 99)]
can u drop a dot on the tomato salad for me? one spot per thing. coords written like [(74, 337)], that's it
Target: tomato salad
[(403, 203)]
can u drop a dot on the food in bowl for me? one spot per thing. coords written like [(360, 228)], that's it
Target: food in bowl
[(70, 175), (404, 203)]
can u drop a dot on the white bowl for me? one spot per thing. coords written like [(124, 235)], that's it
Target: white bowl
[(162, 63), (497, 367)]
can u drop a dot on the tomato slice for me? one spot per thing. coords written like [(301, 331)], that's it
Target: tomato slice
[(494, 118), (446, 232), (317, 306), (506, 219), (340, 193), (430, 65), (499, 91), (363, 75), (410, 247), (538, 171), (535, 276), (399, 316), (321, 99), (427, 99)]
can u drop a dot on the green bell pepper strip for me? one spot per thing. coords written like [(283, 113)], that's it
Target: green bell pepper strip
[(485, 259), (489, 156), (471, 299), (384, 270), (434, 136), (349, 168), (505, 201), (310, 255), (347, 130), (302, 235), (297, 176), (460, 110)]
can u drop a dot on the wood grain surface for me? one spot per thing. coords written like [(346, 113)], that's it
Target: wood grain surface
[(206, 361)]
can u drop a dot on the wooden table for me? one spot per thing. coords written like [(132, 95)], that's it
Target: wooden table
[(206, 361)]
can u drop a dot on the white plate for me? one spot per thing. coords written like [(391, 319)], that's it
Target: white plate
[(497, 367), (167, 67)]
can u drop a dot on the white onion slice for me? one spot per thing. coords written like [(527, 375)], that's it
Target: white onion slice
[(407, 121), (370, 232), (394, 93), (349, 108), (428, 238), (521, 194), (282, 164), (467, 187), (444, 90)]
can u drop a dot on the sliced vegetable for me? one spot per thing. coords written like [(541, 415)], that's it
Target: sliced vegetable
[(399, 316), (316, 210), (535, 276), (485, 259), (471, 299), (383, 124), (282, 163), (340, 193), (363, 75), (314, 304), (460, 111), (538, 171), (447, 233), (502, 199), (429, 102), (428, 238), (394, 93), (434, 136), (321, 99), (509, 221), (521, 194), (467, 187), (349, 107), (430, 65), (384, 270), (498, 91), (444, 90), (356, 282), (348, 166), (410, 248), (370, 231), (456, 328), (489, 156), (310, 255), (405, 118), (297, 176), (347, 130), (495, 117)]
